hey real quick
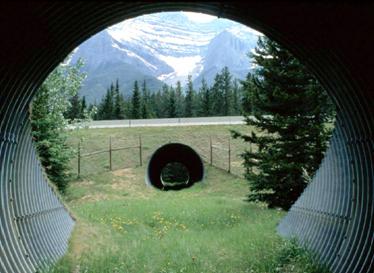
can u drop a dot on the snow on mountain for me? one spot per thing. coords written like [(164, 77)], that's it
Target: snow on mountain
[(165, 47)]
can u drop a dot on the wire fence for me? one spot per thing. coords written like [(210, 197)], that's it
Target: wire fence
[(113, 153), (109, 153)]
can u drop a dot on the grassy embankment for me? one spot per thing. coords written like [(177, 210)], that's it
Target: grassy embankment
[(125, 226)]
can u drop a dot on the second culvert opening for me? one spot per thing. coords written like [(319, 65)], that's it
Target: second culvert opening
[(174, 166)]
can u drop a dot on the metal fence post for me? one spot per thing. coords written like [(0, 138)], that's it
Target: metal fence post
[(110, 153), (229, 154), (211, 151), (79, 158), (140, 151)]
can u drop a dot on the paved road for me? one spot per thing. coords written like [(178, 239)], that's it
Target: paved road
[(163, 122)]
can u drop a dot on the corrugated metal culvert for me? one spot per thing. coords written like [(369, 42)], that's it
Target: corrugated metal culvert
[(335, 214), (171, 153)]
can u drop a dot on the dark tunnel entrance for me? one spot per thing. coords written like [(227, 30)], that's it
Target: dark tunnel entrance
[(334, 215), (192, 167)]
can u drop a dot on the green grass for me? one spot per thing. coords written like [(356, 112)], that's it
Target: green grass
[(125, 226), (198, 137)]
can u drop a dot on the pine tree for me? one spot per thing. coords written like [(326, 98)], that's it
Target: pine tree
[(74, 110), (227, 91), (48, 122), (206, 107), (146, 108), (290, 111), (217, 95), (83, 108), (189, 110), (236, 98), (164, 101), (119, 103), (179, 100), (107, 106), (152, 104), (156, 104), (172, 104), (111, 110), (136, 102)]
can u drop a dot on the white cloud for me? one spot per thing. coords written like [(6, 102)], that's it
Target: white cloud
[(199, 17)]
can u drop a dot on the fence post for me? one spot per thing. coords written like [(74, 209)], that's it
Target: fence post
[(140, 151), (79, 158), (211, 151), (110, 153), (229, 151)]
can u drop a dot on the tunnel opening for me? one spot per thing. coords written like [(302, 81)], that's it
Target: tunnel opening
[(174, 173), (349, 189), (174, 166)]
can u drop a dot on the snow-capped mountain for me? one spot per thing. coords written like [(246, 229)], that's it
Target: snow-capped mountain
[(163, 47)]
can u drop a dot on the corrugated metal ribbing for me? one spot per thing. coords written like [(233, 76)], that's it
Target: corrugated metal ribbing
[(35, 227), (334, 215)]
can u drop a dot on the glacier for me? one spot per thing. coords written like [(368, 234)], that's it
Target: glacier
[(163, 48)]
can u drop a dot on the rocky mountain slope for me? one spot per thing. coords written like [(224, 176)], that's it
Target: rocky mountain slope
[(163, 47)]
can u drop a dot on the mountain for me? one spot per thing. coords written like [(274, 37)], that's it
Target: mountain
[(163, 47), (226, 49)]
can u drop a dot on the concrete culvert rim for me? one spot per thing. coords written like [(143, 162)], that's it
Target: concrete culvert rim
[(174, 153)]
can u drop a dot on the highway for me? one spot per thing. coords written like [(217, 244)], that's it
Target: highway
[(228, 120)]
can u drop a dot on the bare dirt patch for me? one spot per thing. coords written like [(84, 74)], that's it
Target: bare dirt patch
[(131, 182), (96, 197), (127, 173), (86, 182)]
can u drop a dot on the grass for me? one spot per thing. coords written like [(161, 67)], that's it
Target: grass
[(198, 137), (125, 226)]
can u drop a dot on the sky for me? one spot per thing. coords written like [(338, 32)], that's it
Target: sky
[(199, 17), (205, 18)]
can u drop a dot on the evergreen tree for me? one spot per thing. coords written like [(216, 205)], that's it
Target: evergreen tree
[(74, 110), (92, 108), (217, 95), (236, 98), (179, 100), (247, 102), (83, 108), (136, 102), (48, 123), (106, 106), (290, 109), (172, 104), (152, 104), (206, 107), (227, 91), (111, 105), (119, 103), (146, 108), (189, 110), (164, 101)]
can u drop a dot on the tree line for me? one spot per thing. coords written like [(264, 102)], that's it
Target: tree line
[(222, 98)]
